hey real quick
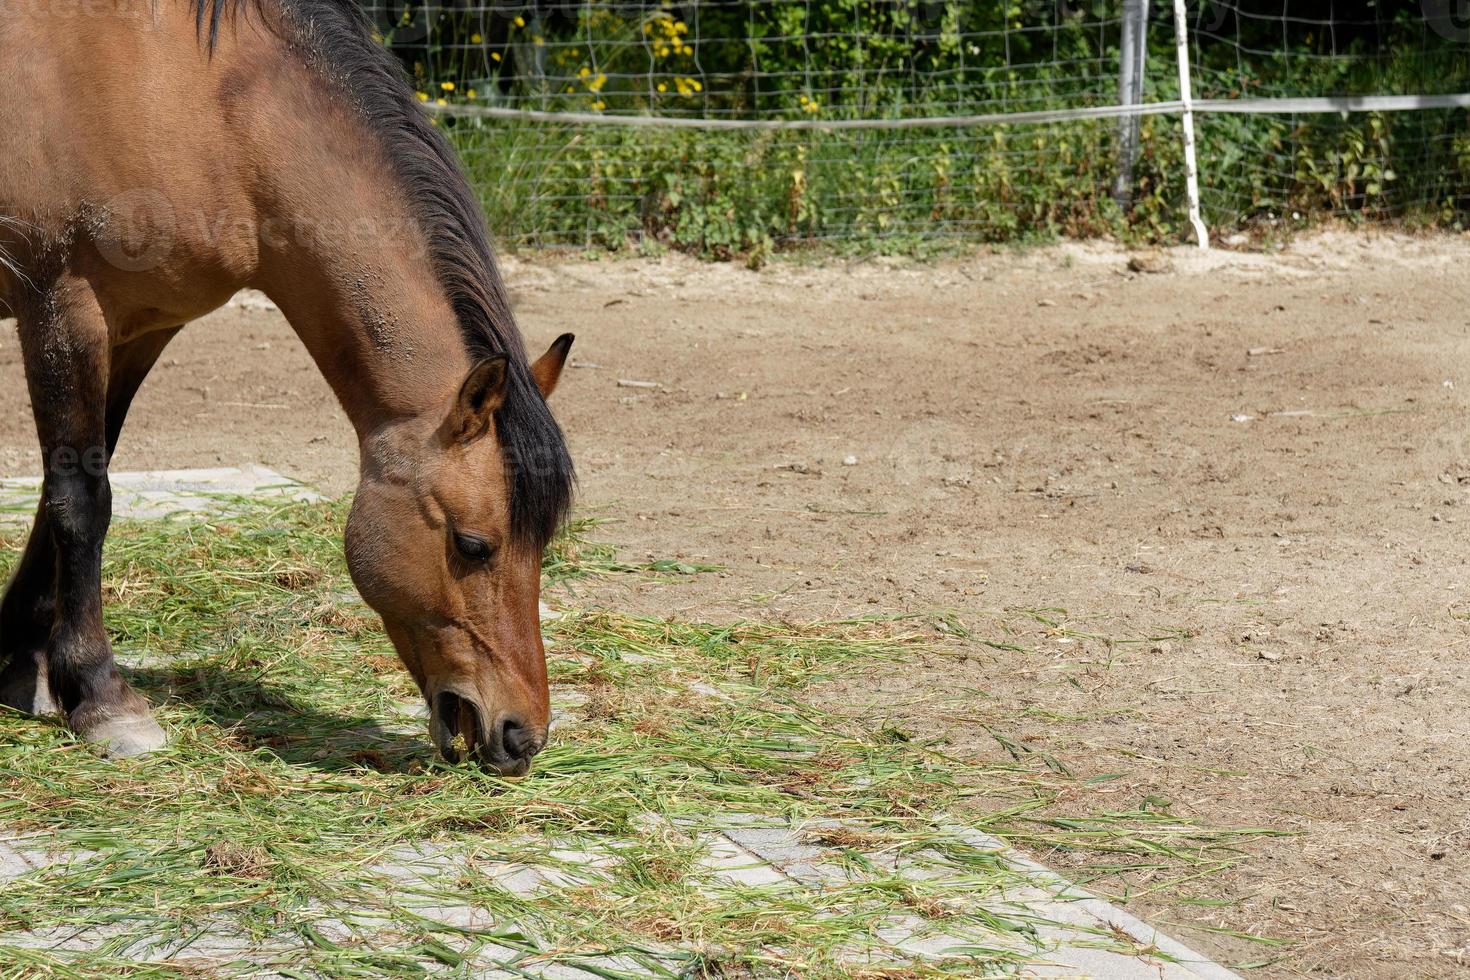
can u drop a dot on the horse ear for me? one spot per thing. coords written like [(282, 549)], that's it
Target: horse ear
[(547, 369), (481, 394)]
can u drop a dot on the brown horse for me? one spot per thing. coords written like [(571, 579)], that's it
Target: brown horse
[(160, 155)]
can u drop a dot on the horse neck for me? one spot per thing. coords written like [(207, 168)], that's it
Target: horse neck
[(349, 267)]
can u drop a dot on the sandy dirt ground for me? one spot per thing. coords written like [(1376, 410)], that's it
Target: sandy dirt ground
[(1260, 462)]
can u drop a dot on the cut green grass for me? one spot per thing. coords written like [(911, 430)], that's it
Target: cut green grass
[(299, 821), (573, 555)]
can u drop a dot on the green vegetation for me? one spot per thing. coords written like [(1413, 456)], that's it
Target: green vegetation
[(293, 826), (724, 193)]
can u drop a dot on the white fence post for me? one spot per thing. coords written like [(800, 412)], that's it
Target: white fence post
[(1191, 171)]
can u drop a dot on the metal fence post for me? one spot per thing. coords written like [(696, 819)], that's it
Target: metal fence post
[(1132, 55)]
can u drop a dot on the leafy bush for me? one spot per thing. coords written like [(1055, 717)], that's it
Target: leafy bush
[(725, 192)]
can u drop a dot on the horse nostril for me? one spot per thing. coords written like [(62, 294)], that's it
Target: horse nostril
[(518, 741)]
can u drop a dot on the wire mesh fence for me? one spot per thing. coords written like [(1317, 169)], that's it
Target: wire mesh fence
[(1290, 168), (541, 98), (754, 58)]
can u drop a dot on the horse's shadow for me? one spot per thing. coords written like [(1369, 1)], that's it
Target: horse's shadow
[(255, 714)]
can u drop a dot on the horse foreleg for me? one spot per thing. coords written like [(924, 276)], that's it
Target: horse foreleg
[(26, 615), (68, 369), (28, 609)]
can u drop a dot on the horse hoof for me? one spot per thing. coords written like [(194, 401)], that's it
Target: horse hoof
[(126, 736)]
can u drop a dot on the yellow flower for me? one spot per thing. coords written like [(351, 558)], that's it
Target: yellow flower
[(647, 28), (583, 72), (495, 55), (597, 83), (680, 27), (423, 96), (470, 94), (688, 49), (697, 85), (599, 105), (447, 86), (663, 86), (441, 101), (538, 39), (476, 39), (520, 22), (661, 51)]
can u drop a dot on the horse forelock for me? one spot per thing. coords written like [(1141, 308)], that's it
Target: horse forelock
[(335, 39)]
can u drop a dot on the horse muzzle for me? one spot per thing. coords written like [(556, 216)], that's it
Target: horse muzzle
[(503, 743)]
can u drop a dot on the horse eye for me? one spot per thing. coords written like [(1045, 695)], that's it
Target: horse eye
[(472, 548)]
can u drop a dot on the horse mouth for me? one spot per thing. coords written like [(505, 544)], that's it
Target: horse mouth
[(456, 727)]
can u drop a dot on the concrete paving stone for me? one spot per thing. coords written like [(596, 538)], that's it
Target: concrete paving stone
[(486, 955), (16, 858), (914, 865), (738, 865), (599, 967), (585, 857), (218, 945), (22, 854), (413, 867), (1070, 923), (529, 881), (374, 929), (1090, 930), (410, 718), (423, 866), (1102, 964), (916, 936), (160, 493), (337, 925), (451, 914), (781, 846), (564, 704), (821, 874), (417, 710), (735, 819), (215, 944), (1066, 904), (895, 947), (818, 865), (64, 939), (136, 659)]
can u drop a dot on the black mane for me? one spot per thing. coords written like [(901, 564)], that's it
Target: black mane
[(335, 38)]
